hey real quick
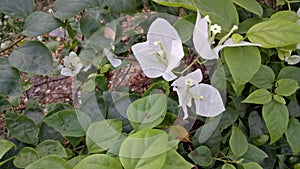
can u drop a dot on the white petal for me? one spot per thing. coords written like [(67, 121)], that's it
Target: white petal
[(195, 75), (112, 58), (67, 72), (78, 67), (212, 104), (292, 60)]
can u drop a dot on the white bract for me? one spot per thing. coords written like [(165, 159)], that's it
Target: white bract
[(204, 44), (162, 51), (112, 58), (207, 99), (72, 65)]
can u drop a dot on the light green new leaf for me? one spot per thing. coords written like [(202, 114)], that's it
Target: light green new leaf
[(25, 157), (293, 135), (276, 117), (39, 23), (17, 8), (264, 78), (22, 128), (145, 149), (148, 111), (99, 161), (286, 87), (66, 123), (10, 84), (259, 96), (243, 62), (5, 146), (254, 154), (188, 4), (238, 142), (103, 134), (65, 9), (251, 165), (51, 147), (250, 5), (175, 160), (228, 166), (202, 155), (285, 15), (275, 33), (51, 161), (32, 57), (221, 12)]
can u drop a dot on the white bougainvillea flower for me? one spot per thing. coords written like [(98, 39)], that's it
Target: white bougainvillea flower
[(162, 51), (72, 65), (207, 99), (204, 44), (293, 59), (112, 58)]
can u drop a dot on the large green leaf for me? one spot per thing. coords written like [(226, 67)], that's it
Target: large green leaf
[(221, 12), (250, 5), (66, 123), (286, 87), (254, 154), (275, 33), (228, 166), (175, 160), (51, 147), (177, 3), (25, 157), (145, 149), (64, 9), (17, 8), (21, 128), (293, 135), (276, 117), (238, 142), (264, 78), (124, 6), (251, 165), (32, 57), (243, 62), (10, 84), (202, 155), (5, 146), (103, 134), (289, 72), (206, 131), (51, 161), (39, 23), (259, 96), (185, 28), (147, 112), (99, 161), (285, 15)]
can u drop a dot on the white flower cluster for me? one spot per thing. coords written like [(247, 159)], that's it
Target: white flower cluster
[(163, 50)]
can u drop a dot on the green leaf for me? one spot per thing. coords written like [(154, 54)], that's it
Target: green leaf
[(21, 128), (221, 12), (65, 9), (50, 161), (175, 160), (10, 84), (17, 8), (285, 15), (32, 57), (276, 117), (264, 78), (25, 157), (247, 57), (75, 160), (289, 72), (275, 33), (5, 146), (251, 165), (51, 147), (293, 135), (145, 149), (89, 23), (250, 5), (148, 111), (255, 124), (188, 4), (259, 96), (279, 99), (99, 161), (254, 154), (202, 155), (39, 23), (228, 166), (238, 142), (66, 123), (103, 134), (185, 28), (123, 6), (206, 131), (286, 87)]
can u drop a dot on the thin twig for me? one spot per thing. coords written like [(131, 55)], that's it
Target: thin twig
[(13, 44)]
